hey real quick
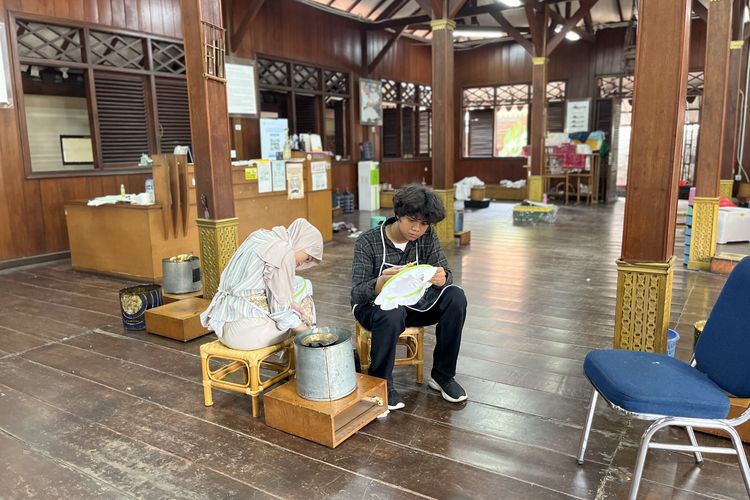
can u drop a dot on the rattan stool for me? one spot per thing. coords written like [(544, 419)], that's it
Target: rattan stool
[(412, 338), (248, 361)]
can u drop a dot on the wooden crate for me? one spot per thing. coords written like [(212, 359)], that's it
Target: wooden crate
[(326, 423), (179, 320), (464, 237), (386, 199)]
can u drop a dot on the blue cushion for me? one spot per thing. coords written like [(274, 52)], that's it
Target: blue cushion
[(723, 349), (645, 382)]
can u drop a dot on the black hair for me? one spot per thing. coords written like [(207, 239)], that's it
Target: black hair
[(419, 202)]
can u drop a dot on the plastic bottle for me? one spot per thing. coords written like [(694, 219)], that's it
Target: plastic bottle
[(122, 189), (150, 190)]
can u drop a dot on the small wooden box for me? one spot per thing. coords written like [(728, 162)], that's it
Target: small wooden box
[(179, 320), (327, 423), (464, 237), (386, 199), (174, 297), (477, 193)]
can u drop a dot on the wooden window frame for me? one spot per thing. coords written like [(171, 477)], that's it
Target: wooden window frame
[(416, 106), (495, 105), (149, 75), (320, 94)]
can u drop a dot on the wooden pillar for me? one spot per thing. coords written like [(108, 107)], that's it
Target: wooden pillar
[(204, 40), (713, 130), (646, 267), (538, 126), (736, 49), (443, 121)]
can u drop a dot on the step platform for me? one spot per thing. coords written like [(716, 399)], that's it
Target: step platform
[(178, 320), (723, 263), (328, 423), (477, 203)]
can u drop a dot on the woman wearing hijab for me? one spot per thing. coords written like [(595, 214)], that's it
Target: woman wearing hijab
[(260, 299)]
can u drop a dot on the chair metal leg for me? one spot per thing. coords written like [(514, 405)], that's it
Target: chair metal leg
[(587, 427), (694, 442), (741, 457), (642, 453)]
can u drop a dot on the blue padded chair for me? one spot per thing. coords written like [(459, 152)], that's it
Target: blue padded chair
[(656, 387)]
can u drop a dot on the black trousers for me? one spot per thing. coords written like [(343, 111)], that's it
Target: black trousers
[(449, 313)]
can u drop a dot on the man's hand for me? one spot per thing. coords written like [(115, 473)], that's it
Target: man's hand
[(439, 278), (388, 272)]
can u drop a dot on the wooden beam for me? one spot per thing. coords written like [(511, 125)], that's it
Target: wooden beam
[(456, 9), (438, 8), (588, 23), (619, 11), (426, 6), (558, 19), (351, 7), (374, 9), (700, 11), (393, 39), (569, 24), (389, 11), (513, 32), (250, 13), (534, 27), (465, 12)]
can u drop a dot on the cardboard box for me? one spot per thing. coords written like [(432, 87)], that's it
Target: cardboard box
[(328, 422), (178, 320)]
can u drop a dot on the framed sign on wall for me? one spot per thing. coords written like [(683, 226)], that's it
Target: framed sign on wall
[(242, 88), (370, 102), (577, 112)]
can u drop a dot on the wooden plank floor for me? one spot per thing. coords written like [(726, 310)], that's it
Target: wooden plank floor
[(89, 410)]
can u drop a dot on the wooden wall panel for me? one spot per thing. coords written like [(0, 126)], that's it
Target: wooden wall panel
[(492, 170), (401, 172), (31, 213)]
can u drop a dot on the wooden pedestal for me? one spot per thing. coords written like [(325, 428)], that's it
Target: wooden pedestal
[(327, 423), (179, 320)]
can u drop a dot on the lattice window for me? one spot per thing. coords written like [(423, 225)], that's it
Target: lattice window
[(336, 82), (556, 91), (306, 77), (48, 41), (275, 73), (479, 97), (425, 96), (609, 86), (408, 92), (628, 84), (512, 94), (117, 51), (390, 91), (168, 57), (695, 83)]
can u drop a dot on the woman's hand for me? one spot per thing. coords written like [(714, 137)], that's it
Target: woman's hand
[(302, 315)]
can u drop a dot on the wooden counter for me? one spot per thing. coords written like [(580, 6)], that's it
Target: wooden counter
[(131, 240)]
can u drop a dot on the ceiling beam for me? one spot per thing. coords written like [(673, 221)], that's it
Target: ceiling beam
[(374, 9), (558, 19), (585, 7), (465, 12), (588, 23), (456, 9), (535, 27), (513, 32), (392, 40), (700, 11), (426, 6), (619, 11), (351, 7), (389, 11), (250, 13)]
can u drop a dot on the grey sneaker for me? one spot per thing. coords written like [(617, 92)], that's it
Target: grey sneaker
[(451, 390), (394, 400)]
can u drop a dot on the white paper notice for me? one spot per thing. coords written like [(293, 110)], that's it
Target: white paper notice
[(264, 176), (279, 175), (4, 70), (319, 181), (318, 166), (241, 89)]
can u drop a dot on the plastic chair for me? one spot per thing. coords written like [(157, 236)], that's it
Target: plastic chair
[(673, 393)]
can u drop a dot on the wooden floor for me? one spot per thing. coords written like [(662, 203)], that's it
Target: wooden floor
[(88, 410)]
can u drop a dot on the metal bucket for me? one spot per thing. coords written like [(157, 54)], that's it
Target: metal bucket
[(181, 276), (134, 300), (325, 364)]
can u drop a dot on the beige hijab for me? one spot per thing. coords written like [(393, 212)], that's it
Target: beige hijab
[(278, 256)]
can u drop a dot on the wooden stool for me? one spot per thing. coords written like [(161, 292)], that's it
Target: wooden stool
[(412, 338), (248, 361)]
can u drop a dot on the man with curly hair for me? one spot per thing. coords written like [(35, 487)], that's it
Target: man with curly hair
[(381, 252)]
